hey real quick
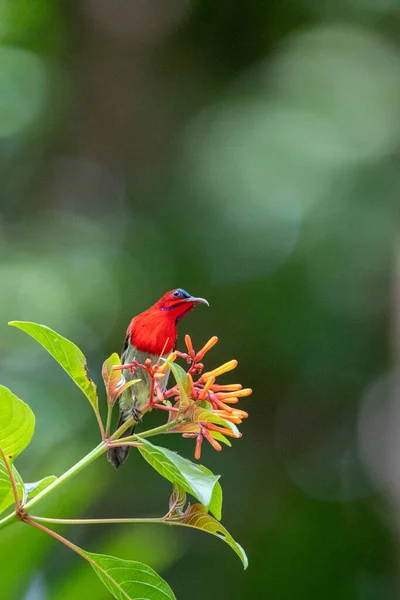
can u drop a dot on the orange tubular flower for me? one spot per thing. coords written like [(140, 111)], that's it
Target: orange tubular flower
[(204, 412), (209, 413)]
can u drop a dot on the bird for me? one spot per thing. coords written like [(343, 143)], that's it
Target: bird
[(151, 334)]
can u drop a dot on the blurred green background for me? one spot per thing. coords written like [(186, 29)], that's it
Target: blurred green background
[(248, 152)]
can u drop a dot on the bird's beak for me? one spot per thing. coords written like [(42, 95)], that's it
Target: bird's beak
[(197, 300)]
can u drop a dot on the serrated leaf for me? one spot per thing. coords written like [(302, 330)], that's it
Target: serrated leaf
[(197, 516), (215, 506), (66, 353), (183, 382), (180, 471), (128, 579), (33, 489), (6, 491), (17, 423)]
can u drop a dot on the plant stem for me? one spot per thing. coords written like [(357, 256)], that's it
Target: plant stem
[(95, 521), (84, 462), (13, 482), (108, 423), (59, 537), (151, 432), (119, 443), (117, 434), (100, 422)]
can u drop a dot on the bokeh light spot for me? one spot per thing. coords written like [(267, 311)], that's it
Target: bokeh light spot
[(23, 85)]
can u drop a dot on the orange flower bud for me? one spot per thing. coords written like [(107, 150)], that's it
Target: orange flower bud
[(237, 394), (231, 400), (228, 366), (164, 367), (212, 441), (197, 452), (224, 430), (204, 391), (211, 342), (192, 390), (189, 345), (230, 387)]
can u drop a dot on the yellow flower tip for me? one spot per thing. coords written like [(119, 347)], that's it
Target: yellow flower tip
[(192, 390), (205, 390), (164, 367), (211, 342), (233, 419), (229, 387), (231, 400), (241, 413), (228, 366), (243, 393), (159, 375)]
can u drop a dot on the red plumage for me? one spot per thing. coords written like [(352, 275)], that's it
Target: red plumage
[(154, 331), (150, 335)]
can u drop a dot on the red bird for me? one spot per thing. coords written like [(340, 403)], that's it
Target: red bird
[(150, 335)]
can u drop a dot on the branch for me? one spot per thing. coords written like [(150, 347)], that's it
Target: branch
[(13, 482), (95, 521)]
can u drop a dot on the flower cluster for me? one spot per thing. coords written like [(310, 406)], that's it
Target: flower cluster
[(198, 407)]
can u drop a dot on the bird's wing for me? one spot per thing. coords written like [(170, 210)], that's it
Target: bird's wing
[(124, 349)]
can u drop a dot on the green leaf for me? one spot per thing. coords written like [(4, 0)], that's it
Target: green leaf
[(215, 505), (177, 500), (197, 414), (128, 579), (6, 492), (65, 353), (197, 516), (183, 382), (17, 423), (220, 437), (180, 471), (33, 489), (111, 378)]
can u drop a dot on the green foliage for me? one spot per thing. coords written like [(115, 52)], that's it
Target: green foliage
[(197, 516), (111, 378), (128, 579), (215, 505), (17, 423), (217, 435), (33, 489), (198, 414), (182, 380), (69, 356), (6, 491), (180, 471), (125, 579)]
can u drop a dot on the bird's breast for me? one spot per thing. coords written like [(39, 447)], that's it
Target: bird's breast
[(138, 394)]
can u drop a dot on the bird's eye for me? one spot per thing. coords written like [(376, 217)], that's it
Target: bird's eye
[(180, 293)]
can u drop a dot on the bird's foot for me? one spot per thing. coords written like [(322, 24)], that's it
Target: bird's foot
[(136, 413)]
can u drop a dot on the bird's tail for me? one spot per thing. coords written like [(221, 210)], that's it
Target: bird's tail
[(117, 456)]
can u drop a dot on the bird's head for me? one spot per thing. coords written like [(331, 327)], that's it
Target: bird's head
[(177, 303), (154, 330)]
